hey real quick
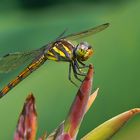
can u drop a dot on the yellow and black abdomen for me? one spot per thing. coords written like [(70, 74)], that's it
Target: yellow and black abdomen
[(26, 72)]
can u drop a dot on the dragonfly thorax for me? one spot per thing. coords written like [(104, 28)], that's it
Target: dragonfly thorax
[(83, 51), (61, 50)]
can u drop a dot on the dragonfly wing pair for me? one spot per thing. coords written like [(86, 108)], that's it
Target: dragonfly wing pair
[(11, 61), (35, 59)]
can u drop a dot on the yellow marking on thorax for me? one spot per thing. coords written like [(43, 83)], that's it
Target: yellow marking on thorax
[(50, 53), (51, 56), (68, 50), (59, 52)]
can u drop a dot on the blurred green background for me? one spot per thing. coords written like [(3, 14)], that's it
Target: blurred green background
[(28, 24)]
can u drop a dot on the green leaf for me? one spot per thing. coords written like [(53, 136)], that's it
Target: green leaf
[(110, 127)]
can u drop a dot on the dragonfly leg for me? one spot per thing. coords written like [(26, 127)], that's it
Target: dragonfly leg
[(77, 67), (83, 65), (75, 72), (70, 66)]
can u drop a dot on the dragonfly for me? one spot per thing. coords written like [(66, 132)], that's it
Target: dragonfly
[(61, 49)]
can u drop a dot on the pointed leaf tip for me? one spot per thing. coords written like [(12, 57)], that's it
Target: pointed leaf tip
[(30, 97), (92, 98), (112, 126), (27, 123)]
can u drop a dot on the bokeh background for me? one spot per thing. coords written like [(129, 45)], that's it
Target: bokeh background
[(29, 24)]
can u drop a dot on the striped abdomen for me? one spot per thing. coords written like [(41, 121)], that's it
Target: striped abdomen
[(27, 71)]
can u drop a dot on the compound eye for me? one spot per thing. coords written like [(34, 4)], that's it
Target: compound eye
[(84, 46), (89, 47)]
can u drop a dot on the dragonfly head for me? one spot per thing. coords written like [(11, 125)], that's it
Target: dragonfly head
[(83, 51)]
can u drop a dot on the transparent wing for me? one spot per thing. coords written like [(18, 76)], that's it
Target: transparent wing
[(76, 36), (11, 61), (86, 33)]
